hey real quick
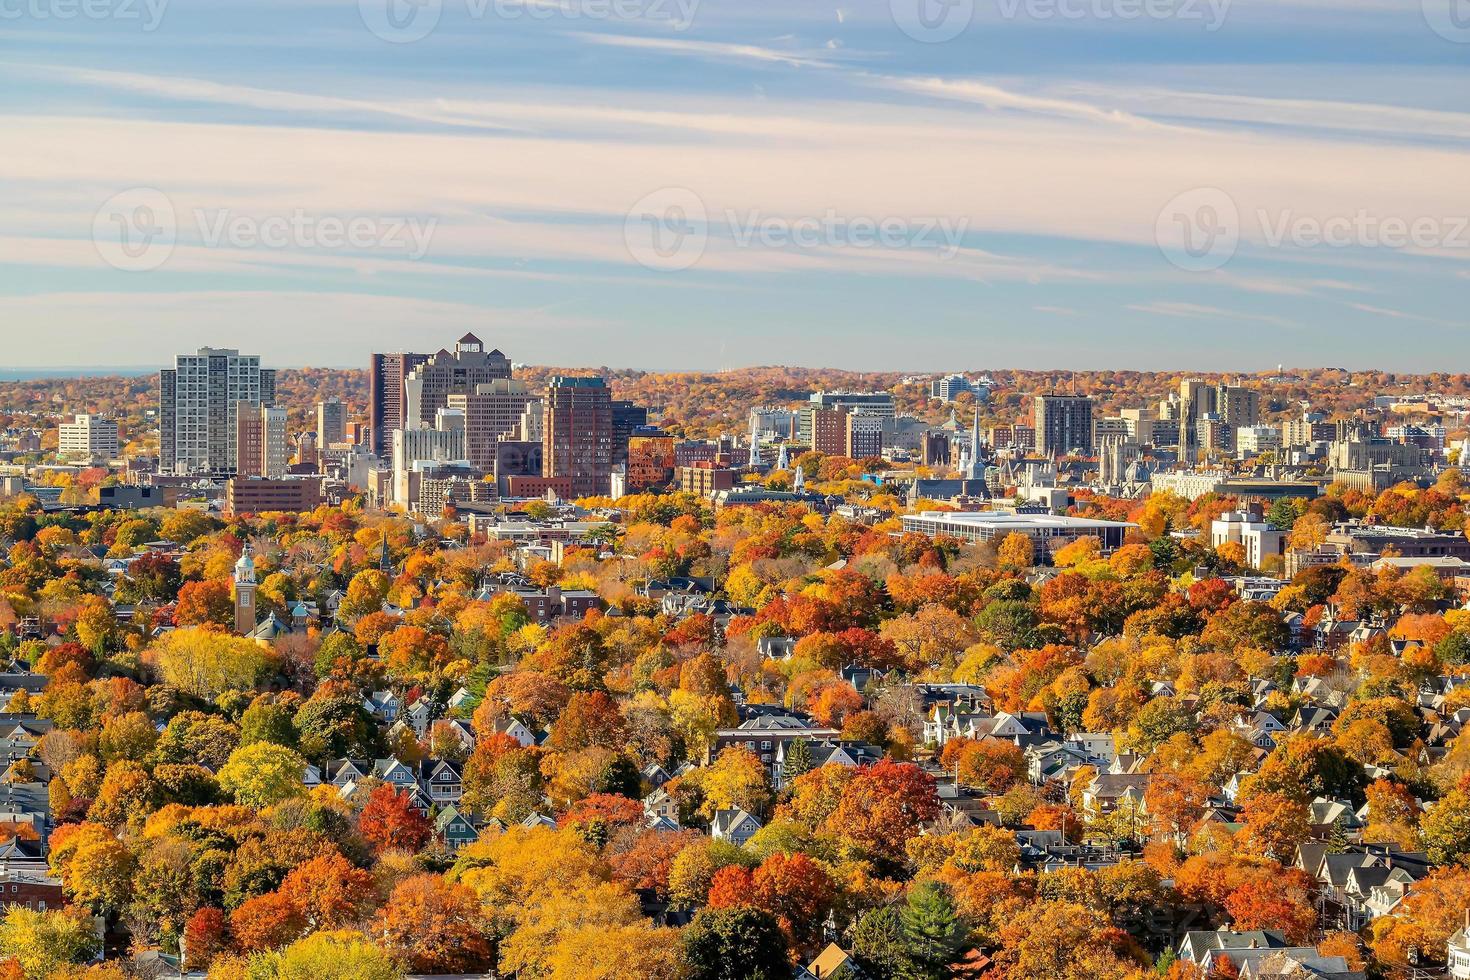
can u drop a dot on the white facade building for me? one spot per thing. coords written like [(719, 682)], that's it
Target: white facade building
[(88, 437)]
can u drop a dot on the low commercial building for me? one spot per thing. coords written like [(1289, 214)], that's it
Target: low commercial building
[(1052, 530), (259, 496), (705, 479)]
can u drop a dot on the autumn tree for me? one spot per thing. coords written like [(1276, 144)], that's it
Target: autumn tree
[(329, 892), (882, 807), (388, 821), (262, 774), (437, 926)]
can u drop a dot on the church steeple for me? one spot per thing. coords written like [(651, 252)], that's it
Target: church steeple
[(385, 559)]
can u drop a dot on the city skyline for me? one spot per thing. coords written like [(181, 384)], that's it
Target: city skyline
[(1030, 167)]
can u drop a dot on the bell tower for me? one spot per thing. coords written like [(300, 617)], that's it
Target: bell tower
[(245, 593)]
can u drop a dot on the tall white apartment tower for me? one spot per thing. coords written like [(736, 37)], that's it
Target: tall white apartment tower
[(197, 400)]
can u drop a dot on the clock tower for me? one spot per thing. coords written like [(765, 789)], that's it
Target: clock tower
[(245, 593)]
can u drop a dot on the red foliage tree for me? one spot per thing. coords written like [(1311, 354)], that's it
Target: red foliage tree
[(389, 821)]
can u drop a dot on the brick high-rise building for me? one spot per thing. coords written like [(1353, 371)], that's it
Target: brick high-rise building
[(578, 434), (387, 398), (1063, 423), (828, 428), (197, 399), (261, 446)]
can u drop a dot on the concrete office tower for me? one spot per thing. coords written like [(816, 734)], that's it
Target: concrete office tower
[(261, 447), (492, 412), (331, 422), (429, 386), (88, 437), (387, 397), (197, 399), (533, 419), (445, 443), (1063, 423), (578, 438)]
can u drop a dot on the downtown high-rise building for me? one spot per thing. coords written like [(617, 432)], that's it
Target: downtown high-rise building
[(577, 439), (626, 418), (492, 412), (197, 402), (428, 387), (262, 448), (387, 397), (1063, 423), (331, 422)]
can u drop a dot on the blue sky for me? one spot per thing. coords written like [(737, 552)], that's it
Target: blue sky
[(1127, 184)]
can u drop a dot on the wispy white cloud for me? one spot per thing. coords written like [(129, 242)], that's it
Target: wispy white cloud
[(1196, 311), (724, 51)]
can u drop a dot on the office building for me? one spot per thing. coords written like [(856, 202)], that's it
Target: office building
[(578, 438), (878, 403), (863, 435), (261, 448), (706, 479), (1063, 423), (773, 424), (387, 397), (197, 399), (949, 388), (1252, 440), (1309, 428), (428, 386), (492, 412), (533, 419), (626, 417), (1245, 528), (331, 422), (415, 449), (828, 429), (1050, 530), (650, 462), (88, 437), (255, 495), (859, 402)]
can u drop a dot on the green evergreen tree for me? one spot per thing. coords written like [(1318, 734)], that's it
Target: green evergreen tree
[(932, 930), (798, 760), (736, 944), (878, 945)]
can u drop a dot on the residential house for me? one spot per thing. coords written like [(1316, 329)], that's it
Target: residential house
[(735, 826)]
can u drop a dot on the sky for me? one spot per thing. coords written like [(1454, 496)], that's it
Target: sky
[(917, 185)]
